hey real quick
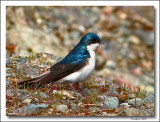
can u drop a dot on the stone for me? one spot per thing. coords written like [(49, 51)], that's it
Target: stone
[(104, 113), (147, 37), (62, 108), (131, 96), (42, 105), (111, 103), (134, 39), (149, 88), (43, 95), (100, 62), (27, 101), (22, 97), (25, 37), (125, 104), (149, 99), (138, 112), (103, 97), (138, 102), (104, 72), (30, 109), (112, 91), (111, 64), (132, 112)]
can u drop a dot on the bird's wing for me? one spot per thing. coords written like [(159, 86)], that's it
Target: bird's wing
[(70, 64)]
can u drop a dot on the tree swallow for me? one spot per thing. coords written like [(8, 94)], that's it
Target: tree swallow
[(75, 67)]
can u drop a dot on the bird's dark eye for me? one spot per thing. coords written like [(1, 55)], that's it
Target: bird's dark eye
[(94, 40)]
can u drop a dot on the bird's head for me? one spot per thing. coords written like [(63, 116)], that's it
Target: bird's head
[(91, 41)]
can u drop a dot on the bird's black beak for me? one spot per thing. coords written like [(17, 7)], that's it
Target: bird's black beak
[(101, 43)]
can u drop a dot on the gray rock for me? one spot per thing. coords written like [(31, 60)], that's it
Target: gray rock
[(30, 109), (103, 97), (132, 112), (111, 103), (62, 108), (149, 99), (23, 91), (43, 95), (22, 97), (42, 105), (10, 92), (148, 37), (136, 101), (138, 112), (112, 91)]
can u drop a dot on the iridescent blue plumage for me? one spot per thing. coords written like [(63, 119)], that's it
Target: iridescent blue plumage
[(80, 53), (77, 55)]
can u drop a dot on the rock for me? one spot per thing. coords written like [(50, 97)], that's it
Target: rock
[(104, 113), (93, 109), (148, 37), (125, 104), (43, 95), (111, 103), (138, 112), (149, 99), (10, 92), (42, 105), (111, 64), (23, 91), (149, 88), (104, 72), (22, 97), (81, 28), (25, 37), (132, 112), (138, 102), (68, 94), (62, 108), (131, 96), (134, 39), (112, 91), (30, 109), (103, 97), (100, 62), (27, 101)]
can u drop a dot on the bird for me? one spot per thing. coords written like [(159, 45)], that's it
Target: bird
[(74, 67)]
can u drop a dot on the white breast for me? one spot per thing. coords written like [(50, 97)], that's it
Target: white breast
[(83, 73)]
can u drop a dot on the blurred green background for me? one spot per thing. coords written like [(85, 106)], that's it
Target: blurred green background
[(128, 34)]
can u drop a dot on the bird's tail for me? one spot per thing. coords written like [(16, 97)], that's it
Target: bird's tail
[(34, 83)]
